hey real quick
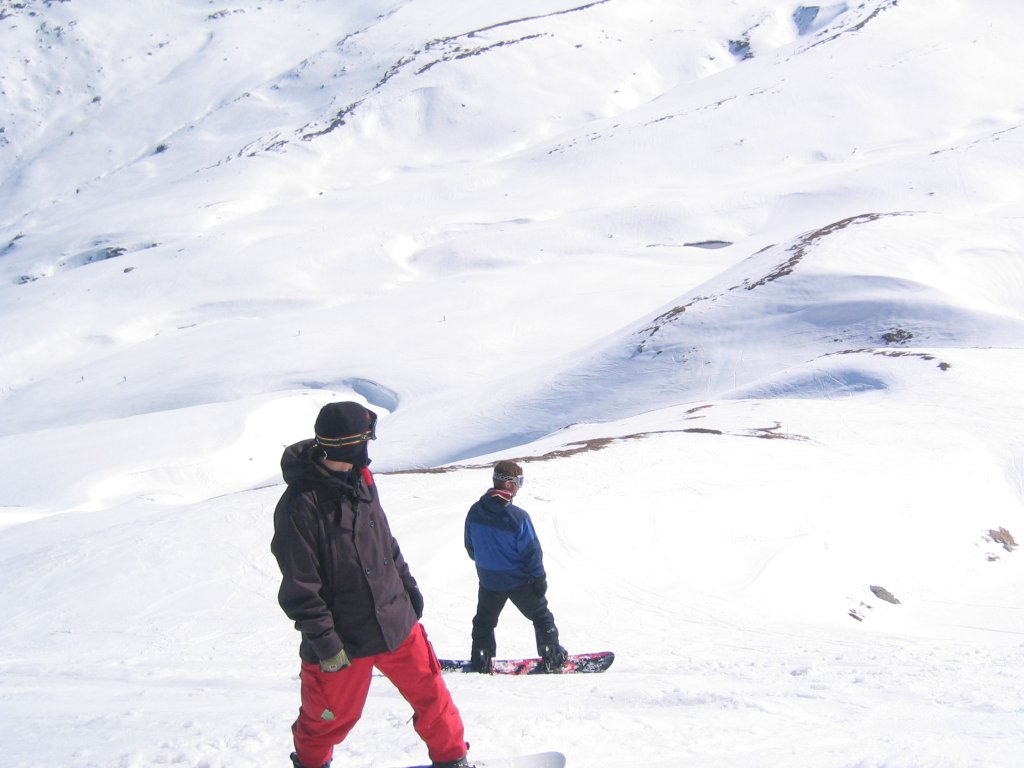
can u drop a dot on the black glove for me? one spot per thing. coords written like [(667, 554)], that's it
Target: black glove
[(416, 598), (540, 586)]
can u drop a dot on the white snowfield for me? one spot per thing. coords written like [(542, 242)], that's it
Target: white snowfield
[(742, 285)]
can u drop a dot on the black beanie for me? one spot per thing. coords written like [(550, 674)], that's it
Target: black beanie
[(342, 430)]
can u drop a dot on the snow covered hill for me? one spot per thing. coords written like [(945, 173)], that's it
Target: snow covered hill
[(741, 282)]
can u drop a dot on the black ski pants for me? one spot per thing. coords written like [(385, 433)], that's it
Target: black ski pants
[(531, 601)]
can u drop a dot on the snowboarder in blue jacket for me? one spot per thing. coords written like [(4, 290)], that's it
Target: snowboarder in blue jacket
[(501, 540)]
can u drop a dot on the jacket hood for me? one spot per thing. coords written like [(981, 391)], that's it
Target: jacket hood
[(493, 504), (302, 472)]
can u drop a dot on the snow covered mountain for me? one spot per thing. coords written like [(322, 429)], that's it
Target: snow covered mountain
[(741, 281)]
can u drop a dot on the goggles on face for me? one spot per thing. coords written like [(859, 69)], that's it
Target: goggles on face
[(517, 479)]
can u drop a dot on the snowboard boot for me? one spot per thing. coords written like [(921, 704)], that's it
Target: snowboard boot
[(297, 764), (480, 661), (553, 655), (462, 762)]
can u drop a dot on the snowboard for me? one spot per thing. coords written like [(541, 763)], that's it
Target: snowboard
[(536, 760), (577, 662)]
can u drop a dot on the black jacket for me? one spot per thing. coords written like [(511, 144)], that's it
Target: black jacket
[(344, 580)]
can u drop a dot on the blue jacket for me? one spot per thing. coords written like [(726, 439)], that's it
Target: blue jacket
[(501, 540)]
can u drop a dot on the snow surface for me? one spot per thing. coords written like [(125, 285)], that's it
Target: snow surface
[(742, 283)]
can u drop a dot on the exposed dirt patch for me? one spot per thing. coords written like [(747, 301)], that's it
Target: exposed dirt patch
[(794, 255), (884, 594), (942, 366), (799, 249), (438, 51), (885, 6), (1003, 537), (600, 443)]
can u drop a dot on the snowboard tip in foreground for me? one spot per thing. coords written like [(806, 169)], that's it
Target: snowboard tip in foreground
[(536, 760), (575, 663)]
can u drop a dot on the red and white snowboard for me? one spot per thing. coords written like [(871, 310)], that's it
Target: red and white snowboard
[(576, 662)]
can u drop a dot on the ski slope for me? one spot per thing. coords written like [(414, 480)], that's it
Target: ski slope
[(741, 285)]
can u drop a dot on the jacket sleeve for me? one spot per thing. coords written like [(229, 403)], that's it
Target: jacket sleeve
[(296, 547), (468, 539), (408, 581), (530, 553), (401, 566)]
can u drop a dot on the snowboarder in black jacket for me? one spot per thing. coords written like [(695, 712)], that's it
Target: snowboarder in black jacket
[(347, 587), (501, 540)]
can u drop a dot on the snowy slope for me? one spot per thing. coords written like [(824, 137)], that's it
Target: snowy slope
[(740, 282)]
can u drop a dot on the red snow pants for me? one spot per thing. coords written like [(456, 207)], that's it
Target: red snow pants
[(332, 702)]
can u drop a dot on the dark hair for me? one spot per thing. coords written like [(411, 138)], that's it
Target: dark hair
[(505, 469)]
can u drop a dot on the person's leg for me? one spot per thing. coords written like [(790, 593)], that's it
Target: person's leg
[(414, 670), (532, 602), (488, 608), (332, 703)]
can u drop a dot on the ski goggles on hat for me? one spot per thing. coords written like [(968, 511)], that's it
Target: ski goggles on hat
[(361, 437), (517, 479)]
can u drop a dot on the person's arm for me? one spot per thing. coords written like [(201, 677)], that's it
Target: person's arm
[(295, 545), (408, 581), (468, 540), (531, 556)]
